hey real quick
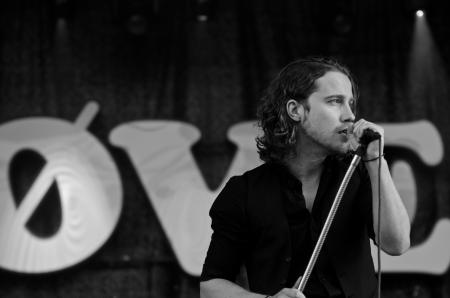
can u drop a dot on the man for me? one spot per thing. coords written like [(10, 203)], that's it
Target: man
[(268, 220)]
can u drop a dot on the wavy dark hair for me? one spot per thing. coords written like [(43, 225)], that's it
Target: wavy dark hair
[(295, 81)]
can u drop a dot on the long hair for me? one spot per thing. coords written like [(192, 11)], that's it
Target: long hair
[(295, 81)]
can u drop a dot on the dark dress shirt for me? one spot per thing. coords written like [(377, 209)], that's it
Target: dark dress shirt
[(260, 220)]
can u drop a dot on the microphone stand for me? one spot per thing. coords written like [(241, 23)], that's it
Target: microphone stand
[(367, 137), (323, 234)]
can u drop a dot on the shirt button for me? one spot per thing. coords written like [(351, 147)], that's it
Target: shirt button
[(283, 282), (288, 259)]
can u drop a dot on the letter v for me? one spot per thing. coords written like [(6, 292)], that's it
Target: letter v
[(160, 151)]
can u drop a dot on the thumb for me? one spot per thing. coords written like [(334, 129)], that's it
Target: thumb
[(297, 283)]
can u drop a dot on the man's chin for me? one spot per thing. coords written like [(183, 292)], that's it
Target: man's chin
[(345, 148), (351, 145)]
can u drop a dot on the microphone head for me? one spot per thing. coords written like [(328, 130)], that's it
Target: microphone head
[(368, 136)]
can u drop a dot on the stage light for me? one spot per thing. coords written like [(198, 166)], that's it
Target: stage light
[(420, 13)]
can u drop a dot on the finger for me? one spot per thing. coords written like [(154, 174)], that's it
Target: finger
[(297, 283), (357, 124), (362, 124), (368, 125), (292, 293), (359, 128)]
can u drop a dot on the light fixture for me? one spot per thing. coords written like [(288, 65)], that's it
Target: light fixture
[(420, 13)]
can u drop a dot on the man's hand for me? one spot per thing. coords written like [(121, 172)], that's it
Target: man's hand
[(288, 293), (372, 150), (224, 288)]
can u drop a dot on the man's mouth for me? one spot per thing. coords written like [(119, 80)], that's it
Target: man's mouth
[(346, 131)]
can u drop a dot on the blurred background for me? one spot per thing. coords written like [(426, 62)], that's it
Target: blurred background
[(206, 63)]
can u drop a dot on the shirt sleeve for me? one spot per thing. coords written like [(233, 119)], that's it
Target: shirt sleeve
[(229, 239)]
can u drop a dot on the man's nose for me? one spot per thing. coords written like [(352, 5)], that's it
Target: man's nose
[(347, 114)]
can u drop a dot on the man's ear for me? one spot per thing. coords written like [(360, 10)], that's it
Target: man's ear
[(295, 110)]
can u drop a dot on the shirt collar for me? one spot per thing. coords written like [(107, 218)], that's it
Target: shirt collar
[(289, 180)]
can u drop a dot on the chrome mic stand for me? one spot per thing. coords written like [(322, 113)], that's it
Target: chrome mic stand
[(367, 137)]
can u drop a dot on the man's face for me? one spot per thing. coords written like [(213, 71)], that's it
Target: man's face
[(330, 115)]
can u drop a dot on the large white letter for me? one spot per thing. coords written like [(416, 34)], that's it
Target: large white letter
[(432, 256), (160, 151), (89, 188)]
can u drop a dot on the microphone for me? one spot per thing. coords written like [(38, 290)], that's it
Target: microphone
[(367, 137)]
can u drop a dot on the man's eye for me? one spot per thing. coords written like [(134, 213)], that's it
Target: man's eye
[(336, 100)]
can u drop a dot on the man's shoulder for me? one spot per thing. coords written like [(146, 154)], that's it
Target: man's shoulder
[(263, 173), (239, 187)]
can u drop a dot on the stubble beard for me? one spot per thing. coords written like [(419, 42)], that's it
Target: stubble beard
[(330, 144)]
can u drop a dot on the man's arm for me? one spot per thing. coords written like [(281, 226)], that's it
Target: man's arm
[(394, 224), (228, 244), (222, 288)]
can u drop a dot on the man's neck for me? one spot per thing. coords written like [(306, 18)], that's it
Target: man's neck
[(309, 159), (306, 166)]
